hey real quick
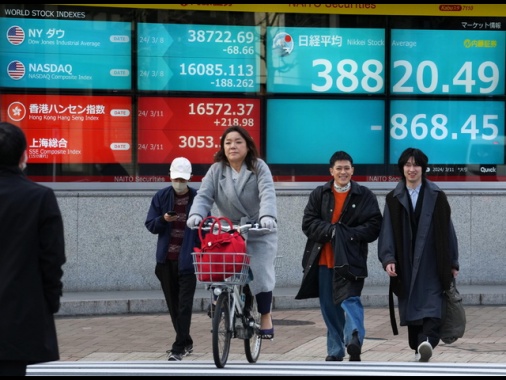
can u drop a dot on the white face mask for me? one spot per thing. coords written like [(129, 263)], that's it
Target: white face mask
[(179, 187)]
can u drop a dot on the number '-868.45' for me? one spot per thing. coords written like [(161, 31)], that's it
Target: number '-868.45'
[(438, 129)]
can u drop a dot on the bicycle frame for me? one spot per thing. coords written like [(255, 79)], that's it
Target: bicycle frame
[(238, 325), (230, 319)]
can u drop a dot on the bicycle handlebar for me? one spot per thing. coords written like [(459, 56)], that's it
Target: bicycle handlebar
[(241, 228)]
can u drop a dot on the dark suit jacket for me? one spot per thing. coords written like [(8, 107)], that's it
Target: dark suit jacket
[(32, 253)]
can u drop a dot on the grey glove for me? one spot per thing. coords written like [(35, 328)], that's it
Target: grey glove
[(268, 222), (194, 221)]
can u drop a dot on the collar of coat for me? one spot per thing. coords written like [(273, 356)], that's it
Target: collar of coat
[(354, 189)]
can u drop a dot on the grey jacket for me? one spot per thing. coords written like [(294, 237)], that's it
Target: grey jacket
[(249, 198)]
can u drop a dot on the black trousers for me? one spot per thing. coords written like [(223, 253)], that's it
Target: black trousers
[(12, 368), (427, 330), (179, 291)]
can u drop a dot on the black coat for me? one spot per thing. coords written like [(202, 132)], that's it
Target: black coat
[(360, 223), (423, 271), (32, 253)]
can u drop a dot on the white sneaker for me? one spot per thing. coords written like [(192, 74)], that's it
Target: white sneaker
[(425, 351), (175, 357), (188, 350)]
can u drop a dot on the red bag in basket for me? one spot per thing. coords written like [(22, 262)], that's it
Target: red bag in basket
[(222, 253)]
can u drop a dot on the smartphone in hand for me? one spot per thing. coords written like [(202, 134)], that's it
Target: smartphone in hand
[(172, 213)]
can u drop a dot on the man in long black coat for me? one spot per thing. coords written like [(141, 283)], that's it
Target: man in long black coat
[(32, 253), (418, 249)]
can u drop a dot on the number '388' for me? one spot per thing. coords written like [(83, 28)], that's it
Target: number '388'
[(348, 76)]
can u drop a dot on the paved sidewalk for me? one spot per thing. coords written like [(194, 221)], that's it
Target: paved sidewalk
[(152, 301), (300, 335)]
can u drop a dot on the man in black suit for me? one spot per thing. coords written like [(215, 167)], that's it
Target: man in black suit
[(31, 260)]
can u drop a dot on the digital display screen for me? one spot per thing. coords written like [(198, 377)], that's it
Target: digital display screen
[(325, 60), (217, 58), (441, 62), (191, 127), (449, 132), (308, 131), (305, 82), (72, 129), (64, 54)]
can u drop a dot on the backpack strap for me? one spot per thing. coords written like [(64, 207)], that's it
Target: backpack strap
[(392, 310)]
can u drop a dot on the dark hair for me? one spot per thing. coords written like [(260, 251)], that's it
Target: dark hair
[(12, 144), (419, 158), (252, 154), (340, 156)]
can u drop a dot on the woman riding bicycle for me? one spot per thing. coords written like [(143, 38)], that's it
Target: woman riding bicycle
[(241, 186)]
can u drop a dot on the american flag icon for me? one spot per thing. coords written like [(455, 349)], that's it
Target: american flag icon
[(16, 35), (16, 70)]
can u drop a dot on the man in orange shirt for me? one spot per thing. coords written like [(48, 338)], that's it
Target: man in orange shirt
[(340, 219)]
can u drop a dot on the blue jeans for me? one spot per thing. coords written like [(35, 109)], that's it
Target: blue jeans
[(341, 320)]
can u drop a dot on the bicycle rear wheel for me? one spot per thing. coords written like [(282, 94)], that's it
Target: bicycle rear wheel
[(252, 345), (222, 332)]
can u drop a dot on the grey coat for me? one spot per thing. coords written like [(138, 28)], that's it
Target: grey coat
[(250, 198), (420, 284)]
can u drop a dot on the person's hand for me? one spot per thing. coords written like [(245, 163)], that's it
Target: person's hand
[(170, 218), (390, 269), (268, 222), (194, 221)]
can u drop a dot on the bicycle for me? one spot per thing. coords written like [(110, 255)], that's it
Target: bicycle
[(235, 312)]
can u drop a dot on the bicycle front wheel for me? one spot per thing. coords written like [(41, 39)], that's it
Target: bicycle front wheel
[(254, 343), (222, 332)]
